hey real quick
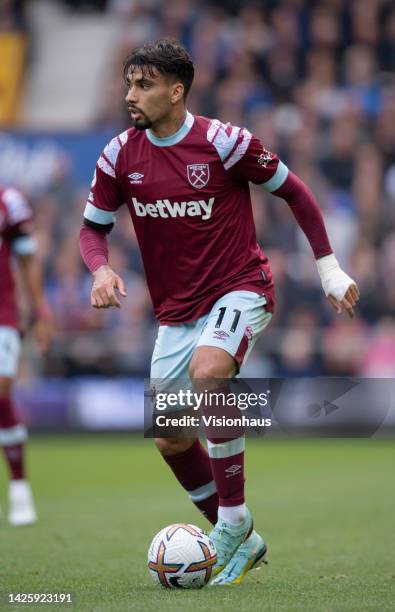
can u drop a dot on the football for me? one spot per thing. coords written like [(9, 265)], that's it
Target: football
[(181, 556)]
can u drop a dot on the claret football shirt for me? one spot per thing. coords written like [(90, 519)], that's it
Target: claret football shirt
[(15, 239), (189, 199)]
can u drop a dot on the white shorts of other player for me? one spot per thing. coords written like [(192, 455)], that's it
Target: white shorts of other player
[(233, 324), (10, 349)]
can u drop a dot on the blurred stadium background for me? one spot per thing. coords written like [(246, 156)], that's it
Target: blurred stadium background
[(313, 79)]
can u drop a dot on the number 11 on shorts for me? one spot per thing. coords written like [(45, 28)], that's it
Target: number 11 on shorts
[(221, 315)]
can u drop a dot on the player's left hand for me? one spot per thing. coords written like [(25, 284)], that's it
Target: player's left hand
[(348, 302), (340, 289)]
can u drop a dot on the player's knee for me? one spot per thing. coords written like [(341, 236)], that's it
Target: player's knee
[(173, 446), (211, 363), (208, 370)]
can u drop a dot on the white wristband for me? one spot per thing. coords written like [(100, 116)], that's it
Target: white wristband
[(327, 264), (334, 281)]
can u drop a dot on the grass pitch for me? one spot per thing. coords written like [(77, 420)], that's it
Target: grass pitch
[(325, 507)]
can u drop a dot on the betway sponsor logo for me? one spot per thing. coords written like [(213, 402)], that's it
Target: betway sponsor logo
[(167, 209)]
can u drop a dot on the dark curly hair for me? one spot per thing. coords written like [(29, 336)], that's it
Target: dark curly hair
[(167, 56)]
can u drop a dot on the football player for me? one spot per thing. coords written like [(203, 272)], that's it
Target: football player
[(184, 179)]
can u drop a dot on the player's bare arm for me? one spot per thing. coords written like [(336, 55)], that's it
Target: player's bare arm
[(32, 281), (106, 284)]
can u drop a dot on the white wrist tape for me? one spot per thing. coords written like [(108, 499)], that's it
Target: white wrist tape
[(334, 281)]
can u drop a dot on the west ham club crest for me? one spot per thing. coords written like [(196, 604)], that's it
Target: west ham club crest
[(198, 175)]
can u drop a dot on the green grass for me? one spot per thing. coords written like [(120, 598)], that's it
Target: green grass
[(326, 508)]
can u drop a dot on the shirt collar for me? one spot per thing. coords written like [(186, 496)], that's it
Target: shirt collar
[(168, 141)]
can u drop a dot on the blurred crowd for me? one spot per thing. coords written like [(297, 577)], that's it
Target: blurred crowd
[(12, 15), (315, 81)]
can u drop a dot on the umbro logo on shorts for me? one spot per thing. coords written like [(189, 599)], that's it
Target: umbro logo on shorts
[(220, 334)]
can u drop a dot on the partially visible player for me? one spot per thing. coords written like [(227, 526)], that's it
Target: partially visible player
[(16, 239), (184, 179)]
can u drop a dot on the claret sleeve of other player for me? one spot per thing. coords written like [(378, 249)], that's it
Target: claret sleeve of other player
[(18, 222)]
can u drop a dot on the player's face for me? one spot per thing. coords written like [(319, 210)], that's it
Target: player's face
[(150, 97)]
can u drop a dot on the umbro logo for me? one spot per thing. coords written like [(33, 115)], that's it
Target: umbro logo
[(220, 334), (233, 470), (136, 178)]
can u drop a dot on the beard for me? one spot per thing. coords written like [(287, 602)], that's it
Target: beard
[(143, 123)]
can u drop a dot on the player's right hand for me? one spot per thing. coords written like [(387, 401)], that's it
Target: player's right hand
[(105, 284)]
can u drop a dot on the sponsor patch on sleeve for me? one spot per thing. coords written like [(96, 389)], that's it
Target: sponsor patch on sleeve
[(265, 158)]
